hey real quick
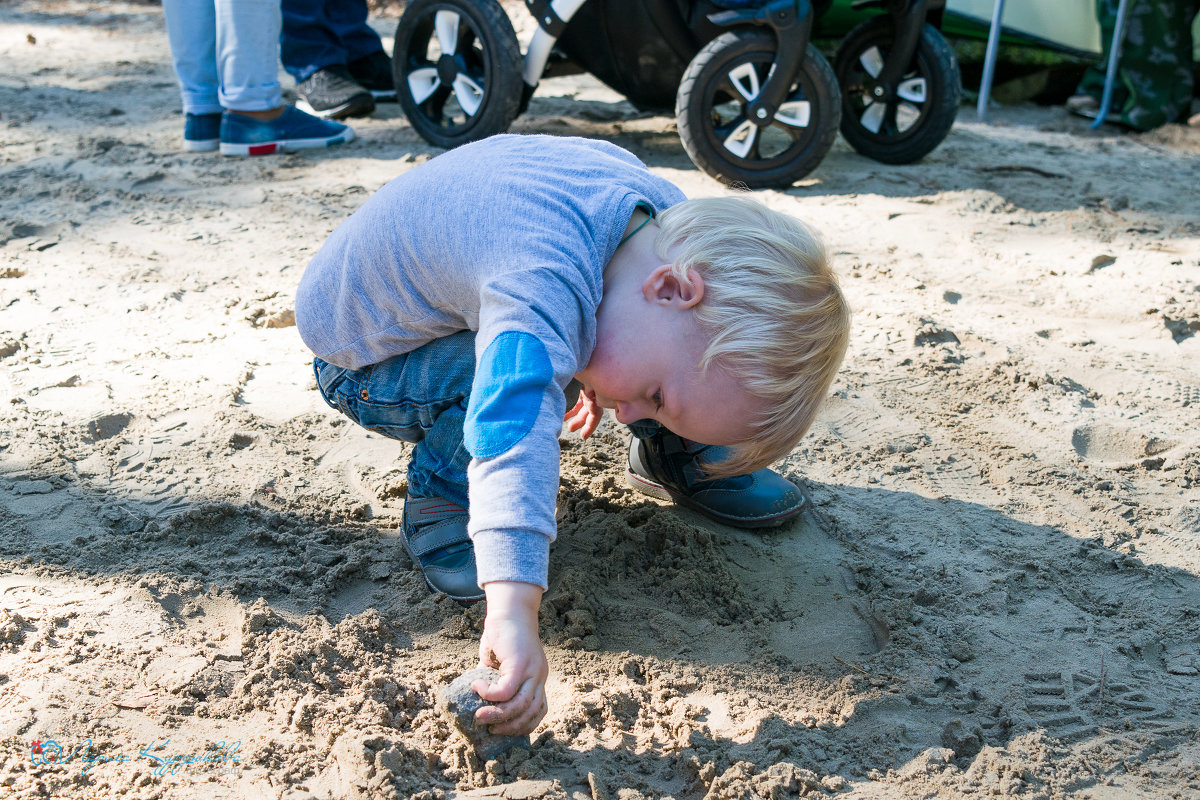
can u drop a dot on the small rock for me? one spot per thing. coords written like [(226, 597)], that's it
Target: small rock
[(459, 702)]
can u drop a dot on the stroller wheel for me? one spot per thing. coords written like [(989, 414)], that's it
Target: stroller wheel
[(711, 110), (904, 128), (457, 69)]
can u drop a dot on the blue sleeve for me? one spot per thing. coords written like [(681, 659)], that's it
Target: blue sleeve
[(510, 379), (534, 333)]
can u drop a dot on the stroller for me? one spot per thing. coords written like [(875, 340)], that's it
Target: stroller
[(756, 104)]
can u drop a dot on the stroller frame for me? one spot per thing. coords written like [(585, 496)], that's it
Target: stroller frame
[(790, 20), (758, 59)]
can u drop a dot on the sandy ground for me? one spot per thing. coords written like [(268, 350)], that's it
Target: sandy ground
[(996, 592)]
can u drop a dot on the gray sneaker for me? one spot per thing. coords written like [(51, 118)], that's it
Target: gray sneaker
[(435, 536), (330, 93)]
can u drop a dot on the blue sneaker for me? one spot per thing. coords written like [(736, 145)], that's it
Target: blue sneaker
[(666, 466), (201, 132), (435, 536), (291, 130)]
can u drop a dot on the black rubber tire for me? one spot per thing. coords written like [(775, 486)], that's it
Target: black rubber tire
[(907, 130), (710, 111), (486, 54)]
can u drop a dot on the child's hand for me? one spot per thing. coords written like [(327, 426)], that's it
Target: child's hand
[(585, 416), (510, 643)]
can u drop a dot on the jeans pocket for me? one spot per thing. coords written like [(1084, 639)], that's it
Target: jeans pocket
[(382, 405), (404, 396), (390, 421), (329, 378)]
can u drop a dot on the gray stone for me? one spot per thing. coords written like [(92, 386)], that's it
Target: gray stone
[(459, 703)]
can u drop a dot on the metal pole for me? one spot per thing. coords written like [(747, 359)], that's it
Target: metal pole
[(1114, 60), (989, 60)]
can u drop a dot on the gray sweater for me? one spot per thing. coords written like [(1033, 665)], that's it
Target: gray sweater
[(508, 237)]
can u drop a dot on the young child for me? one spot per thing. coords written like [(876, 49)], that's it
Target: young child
[(462, 303)]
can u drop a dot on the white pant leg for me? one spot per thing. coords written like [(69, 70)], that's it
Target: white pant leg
[(248, 53), (192, 33)]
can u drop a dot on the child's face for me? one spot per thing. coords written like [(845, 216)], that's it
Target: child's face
[(646, 366)]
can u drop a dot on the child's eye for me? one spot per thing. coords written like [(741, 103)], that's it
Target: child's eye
[(658, 400)]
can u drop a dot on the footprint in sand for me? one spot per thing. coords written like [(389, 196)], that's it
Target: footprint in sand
[(1109, 444), (1073, 706)]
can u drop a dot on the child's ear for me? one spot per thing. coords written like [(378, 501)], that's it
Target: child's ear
[(663, 288)]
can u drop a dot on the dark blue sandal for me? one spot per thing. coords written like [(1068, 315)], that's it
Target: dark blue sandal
[(435, 536)]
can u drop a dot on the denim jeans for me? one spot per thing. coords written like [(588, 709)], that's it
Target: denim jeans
[(226, 53), (325, 33), (418, 397), (421, 397)]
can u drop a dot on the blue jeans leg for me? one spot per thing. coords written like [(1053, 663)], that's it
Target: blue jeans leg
[(192, 33), (225, 53), (248, 54), (419, 397), (325, 33)]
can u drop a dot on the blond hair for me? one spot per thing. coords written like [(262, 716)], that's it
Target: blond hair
[(772, 308)]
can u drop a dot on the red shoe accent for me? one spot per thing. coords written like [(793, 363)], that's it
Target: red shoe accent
[(439, 509), (263, 149)]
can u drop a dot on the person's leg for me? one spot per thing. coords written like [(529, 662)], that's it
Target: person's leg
[(347, 20), (248, 54), (314, 55), (257, 122), (1154, 76), (308, 42), (1092, 83), (421, 397), (192, 33), (1156, 63), (367, 61), (667, 466)]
